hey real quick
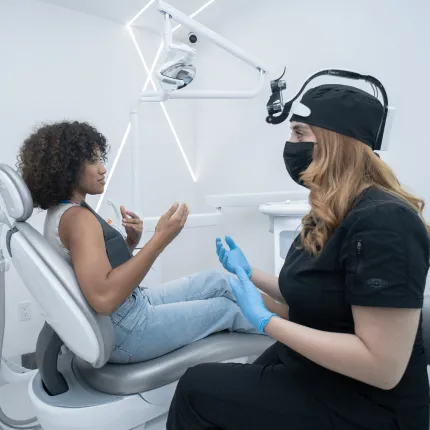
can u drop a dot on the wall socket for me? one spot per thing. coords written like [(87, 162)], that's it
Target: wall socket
[(25, 311)]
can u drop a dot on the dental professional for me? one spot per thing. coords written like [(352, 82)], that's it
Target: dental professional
[(347, 320)]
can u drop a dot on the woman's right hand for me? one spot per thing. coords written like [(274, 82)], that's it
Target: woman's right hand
[(171, 223)]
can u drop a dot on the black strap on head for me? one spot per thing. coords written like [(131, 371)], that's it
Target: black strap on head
[(274, 105)]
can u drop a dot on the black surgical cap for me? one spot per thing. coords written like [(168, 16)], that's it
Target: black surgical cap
[(345, 110)]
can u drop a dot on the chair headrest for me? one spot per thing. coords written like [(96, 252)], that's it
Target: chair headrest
[(17, 197)]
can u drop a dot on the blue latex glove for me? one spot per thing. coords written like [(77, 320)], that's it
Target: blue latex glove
[(233, 258), (250, 301)]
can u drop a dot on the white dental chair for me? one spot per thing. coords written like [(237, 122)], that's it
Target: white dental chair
[(74, 387)]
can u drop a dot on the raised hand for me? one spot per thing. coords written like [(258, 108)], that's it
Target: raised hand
[(232, 258), (133, 226), (171, 223)]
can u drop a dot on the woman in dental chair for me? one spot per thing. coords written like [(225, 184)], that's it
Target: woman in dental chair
[(350, 354), (61, 164)]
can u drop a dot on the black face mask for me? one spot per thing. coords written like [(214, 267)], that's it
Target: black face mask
[(297, 158)]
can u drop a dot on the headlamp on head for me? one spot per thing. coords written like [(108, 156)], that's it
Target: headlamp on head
[(346, 110)]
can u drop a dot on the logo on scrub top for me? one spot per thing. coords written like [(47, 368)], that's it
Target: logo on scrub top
[(376, 282)]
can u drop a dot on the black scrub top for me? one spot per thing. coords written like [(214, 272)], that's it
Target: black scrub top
[(378, 256)]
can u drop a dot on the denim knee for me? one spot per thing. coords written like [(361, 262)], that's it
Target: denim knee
[(212, 283), (216, 274), (220, 277)]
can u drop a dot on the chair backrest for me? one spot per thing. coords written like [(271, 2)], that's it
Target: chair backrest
[(51, 280)]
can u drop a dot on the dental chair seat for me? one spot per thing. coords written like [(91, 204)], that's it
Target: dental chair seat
[(126, 379)]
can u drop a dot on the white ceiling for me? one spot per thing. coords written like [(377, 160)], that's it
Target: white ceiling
[(122, 11)]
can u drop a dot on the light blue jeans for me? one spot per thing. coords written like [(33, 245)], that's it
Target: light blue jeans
[(153, 322)]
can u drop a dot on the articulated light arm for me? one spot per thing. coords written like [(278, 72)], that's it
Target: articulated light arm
[(167, 32), (218, 40), (168, 39), (180, 58), (159, 96)]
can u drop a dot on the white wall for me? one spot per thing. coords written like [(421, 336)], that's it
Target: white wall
[(239, 152)]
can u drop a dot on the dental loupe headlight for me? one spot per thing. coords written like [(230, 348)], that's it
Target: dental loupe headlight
[(275, 104)]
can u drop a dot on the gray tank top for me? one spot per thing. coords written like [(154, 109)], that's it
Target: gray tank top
[(116, 249)]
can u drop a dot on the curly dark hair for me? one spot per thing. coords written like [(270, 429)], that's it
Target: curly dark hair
[(52, 158)]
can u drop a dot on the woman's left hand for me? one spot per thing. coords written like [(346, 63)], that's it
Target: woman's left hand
[(133, 226), (250, 300)]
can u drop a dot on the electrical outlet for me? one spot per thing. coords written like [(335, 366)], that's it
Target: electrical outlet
[(25, 311)]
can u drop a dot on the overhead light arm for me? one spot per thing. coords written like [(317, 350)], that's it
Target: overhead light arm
[(178, 70), (159, 96), (217, 39)]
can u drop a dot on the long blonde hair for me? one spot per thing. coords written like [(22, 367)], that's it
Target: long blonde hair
[(341, 169)]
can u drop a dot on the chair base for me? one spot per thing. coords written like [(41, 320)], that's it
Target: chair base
[(84, 408), (102, 412)]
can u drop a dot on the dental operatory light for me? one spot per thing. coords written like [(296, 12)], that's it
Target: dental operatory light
[(178, 71), (160, 48), (176, 74)]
